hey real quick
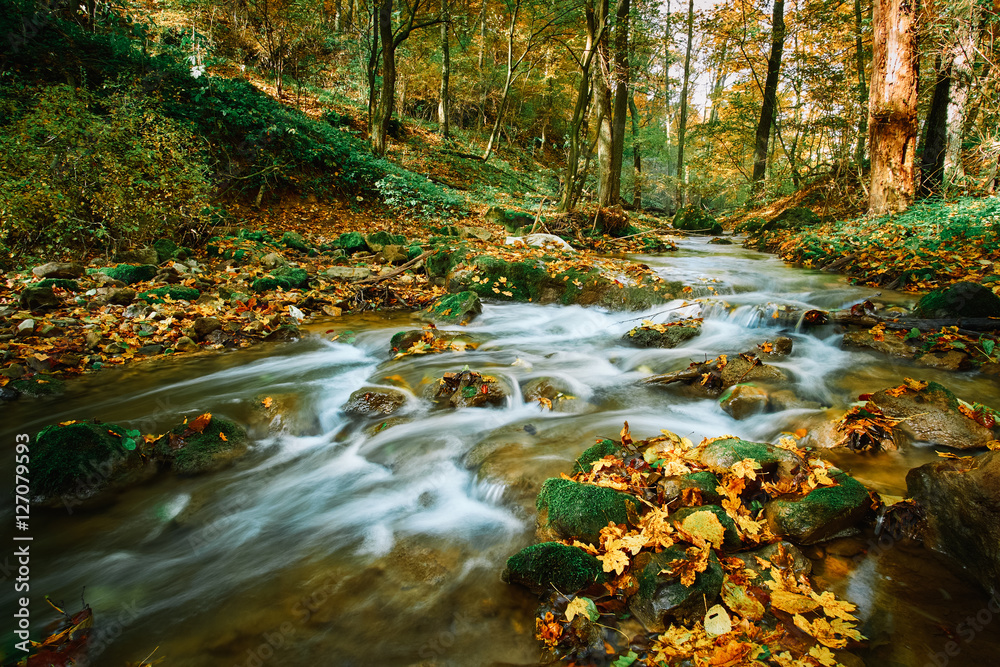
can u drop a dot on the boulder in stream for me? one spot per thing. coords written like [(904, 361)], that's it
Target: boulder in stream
[(667, 335), (747, 367), (731, 536), (469, 389), (744, 400), (962, 299), (77, 461), (932, 414), (375, 402), (571, 510), (457, 308), (551, 564), (961, 501), (722, 454), (662, 598), (217, 445), (823, 513)]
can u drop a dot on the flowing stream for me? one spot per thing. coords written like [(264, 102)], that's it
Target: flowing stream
[(334, 545)]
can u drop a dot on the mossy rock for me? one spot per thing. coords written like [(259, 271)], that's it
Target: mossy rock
[(286, 278), (378, 240), (174, 292), (62, 283), (662, 598), (824, 513), (352, 242), (665, 336), (704, 481), (39, 386), (165, 249), (721, 455), (568, 509), (731, 535), (796, 217), (453, 308), (550, 564), (595, 453), (695, 220), (441, 264), (295, 241), (219, 444), (963, 299), (38, 298), (256, 236), (79, 459), (130, 273)]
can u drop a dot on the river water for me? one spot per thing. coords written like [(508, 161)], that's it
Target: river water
[(334, 545)]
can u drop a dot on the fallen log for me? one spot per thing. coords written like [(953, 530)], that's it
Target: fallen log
[(392, 274)]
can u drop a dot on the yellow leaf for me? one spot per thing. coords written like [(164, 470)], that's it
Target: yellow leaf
[(824, 655), (706, 526), (581, 607), (745, 468), (267, 402), (793, 603), (717, 621), (223, 436), (614, 561)]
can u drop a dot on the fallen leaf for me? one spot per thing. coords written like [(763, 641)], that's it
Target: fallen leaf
[(582, 606), (717, 621)]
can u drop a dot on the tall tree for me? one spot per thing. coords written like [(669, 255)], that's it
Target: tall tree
[(682, 125), (391, 39), (892, 124), (620, 108), (444, 102), (936, 131), (770, 93), (859, 52)]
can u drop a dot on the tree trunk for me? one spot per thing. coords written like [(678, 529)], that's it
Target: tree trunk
[(444, 103), (962, 76), (636, 156), (859, 48), (769, 105), (620, 110), (602, 106), (498, 122), (936, 132), (387, 100), (666, 77), (892, 123), (372, 71), (570, 182), (682, 125)]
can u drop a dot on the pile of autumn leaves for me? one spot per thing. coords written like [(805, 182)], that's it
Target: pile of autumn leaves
[(776, 620)]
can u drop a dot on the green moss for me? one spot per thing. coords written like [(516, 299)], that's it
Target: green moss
[(523, 280), (567, 568), (295, 241), (39, 386), (62, 283), (378, 240), (205, 451), (575, 510), (454, 308), (286, 278), (257, 236), (821, 514), (694, 219), (933, 388), (595, 453), (722, 454), (129, 273), (674, 593), (731, 537), (352, 242), (672, 336), (963, 299), (63, 457), (175, 292), (165, 249), (440, 264)]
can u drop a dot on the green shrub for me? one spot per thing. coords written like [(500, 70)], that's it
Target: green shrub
[(81, 171), (175, 292), (406, 191)]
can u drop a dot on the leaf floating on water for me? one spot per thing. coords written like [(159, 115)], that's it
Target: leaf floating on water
[(267, 402), (582, 606)]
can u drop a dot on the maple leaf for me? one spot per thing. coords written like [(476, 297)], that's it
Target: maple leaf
[(833, 607), (657, 529), (614, 561), (687, 568), (545, 403), (704, 525), (793, 603), (582, 606), (746, 468)]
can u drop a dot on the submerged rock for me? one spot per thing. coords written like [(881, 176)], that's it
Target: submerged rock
[(744, 400), (551, 564), (595, 453), (932, 415), (571, 510), (823, 513), (662, 598), (748, 368), (731, 536), (961, 501)]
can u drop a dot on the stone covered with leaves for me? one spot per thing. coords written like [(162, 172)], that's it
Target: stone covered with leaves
[(684, 540), (669, 334)]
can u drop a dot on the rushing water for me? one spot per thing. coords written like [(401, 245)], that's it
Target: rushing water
[(330, 546)]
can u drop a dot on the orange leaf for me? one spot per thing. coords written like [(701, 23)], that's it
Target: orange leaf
[(223, 436), (199, 424)]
